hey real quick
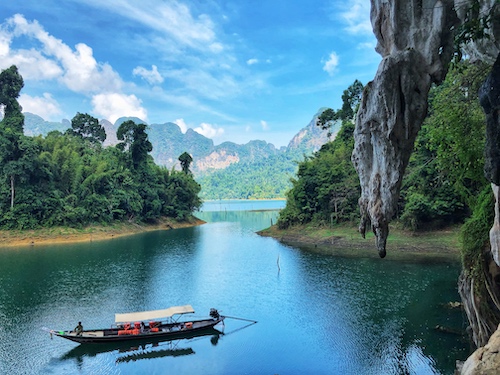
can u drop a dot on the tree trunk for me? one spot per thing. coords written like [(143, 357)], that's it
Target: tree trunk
[(12, 192)]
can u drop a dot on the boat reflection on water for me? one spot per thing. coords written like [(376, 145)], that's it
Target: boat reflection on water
[(142, 349), (145, 354)]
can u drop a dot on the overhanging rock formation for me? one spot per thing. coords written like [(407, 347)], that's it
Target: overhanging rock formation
[(415, 40)]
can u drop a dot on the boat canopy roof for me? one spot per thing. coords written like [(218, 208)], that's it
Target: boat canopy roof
[(154, 314)]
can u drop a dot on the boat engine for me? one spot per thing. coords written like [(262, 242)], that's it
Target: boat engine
[(214, 313)]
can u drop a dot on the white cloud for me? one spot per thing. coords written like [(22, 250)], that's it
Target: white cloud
[(182, 124), (367, 46), (172, 18), (208, 130), (356, 14), (112, 106), (204, 83), (46, 106), (77, 69), (32, 64), (216, 47), (264, 124), (331, 64), (252, 61), (4, 45), (151, 76)]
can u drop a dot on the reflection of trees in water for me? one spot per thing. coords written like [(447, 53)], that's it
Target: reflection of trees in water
[(255, 220)]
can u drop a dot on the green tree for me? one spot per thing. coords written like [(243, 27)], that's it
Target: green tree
[(327, 188), (351, 98), (87, 127), (186, 161), (135, 141), (11, 126), (445, 173)]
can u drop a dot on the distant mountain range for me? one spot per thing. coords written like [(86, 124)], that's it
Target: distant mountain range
[(214, 161)]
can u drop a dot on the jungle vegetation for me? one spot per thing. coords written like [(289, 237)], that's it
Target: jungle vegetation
[(266, 178), (70, 179), (443, 179)]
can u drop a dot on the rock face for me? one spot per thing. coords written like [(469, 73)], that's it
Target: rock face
[(485, 360), (484, 49), (415, 39), (416, 43)]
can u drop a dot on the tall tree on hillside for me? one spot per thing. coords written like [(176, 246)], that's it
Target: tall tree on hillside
[(87, 127), (135, 140), (351, 97), (186, 161), (11, 126)]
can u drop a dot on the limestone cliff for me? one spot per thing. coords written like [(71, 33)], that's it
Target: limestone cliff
[(484, 360), (416, 41)]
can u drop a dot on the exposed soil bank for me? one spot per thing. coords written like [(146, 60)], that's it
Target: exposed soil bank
[(58, 235), (346, 240)]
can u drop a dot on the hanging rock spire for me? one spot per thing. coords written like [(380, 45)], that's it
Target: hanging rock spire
[(416, 43)]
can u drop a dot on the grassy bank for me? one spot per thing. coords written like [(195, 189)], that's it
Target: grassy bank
[(20, 238), (346, 238)]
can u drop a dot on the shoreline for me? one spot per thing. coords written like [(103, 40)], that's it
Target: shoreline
[(10, 239), (347, 241)]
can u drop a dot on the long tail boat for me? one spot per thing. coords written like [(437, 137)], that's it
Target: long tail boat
[(152, 325)]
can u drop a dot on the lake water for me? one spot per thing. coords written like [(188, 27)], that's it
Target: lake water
[(316, 314)]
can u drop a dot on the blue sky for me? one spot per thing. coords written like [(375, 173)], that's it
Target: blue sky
[(231, 70)]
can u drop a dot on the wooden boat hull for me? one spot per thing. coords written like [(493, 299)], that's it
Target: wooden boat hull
[(168, 331)]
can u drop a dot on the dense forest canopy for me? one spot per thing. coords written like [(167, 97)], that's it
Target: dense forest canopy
[(445, 174), (267, 178), (70, 179)]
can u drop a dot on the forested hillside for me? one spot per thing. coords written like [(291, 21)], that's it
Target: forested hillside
[(70, 179), (256, 169), (264, 175), (262, 179), (443, 180)]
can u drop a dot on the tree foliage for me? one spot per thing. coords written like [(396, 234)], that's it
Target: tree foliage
[(87, 127), (351, 98), (327, 188), (135, 141), (69, 179), (444, 176), (11, 128), (445, 173), (267, 178), (186, 161)]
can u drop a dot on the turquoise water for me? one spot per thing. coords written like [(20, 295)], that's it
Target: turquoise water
[(316, 314)]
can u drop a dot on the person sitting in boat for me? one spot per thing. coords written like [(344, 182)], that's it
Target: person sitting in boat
[(79, 329)]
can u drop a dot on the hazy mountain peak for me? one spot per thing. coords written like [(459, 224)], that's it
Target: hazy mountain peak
[(169, 142)]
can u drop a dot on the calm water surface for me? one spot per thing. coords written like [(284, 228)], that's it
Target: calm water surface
[(316, 314)]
